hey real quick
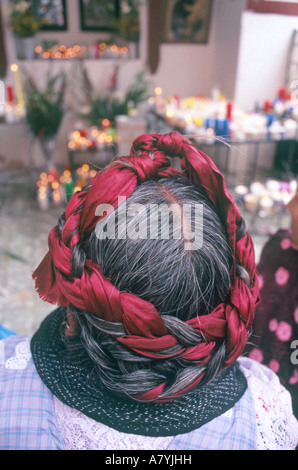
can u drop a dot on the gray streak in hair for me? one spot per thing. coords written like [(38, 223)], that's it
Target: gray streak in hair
[(180, 283)]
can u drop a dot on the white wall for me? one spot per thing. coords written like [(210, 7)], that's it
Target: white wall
[(185, 69), (192, 69), (227, 26), (245, 56), (264, 45)]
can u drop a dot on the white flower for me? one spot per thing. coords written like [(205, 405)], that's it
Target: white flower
[(22, 6)]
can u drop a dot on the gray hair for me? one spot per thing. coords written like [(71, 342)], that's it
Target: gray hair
[(181, 284)]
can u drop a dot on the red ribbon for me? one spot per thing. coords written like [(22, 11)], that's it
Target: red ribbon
[(146, 333)]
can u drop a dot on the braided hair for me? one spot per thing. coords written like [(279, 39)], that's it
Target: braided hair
[(180, 283), (130, 297)]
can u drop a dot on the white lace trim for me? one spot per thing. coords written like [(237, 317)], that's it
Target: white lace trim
[(82, 433), (21, 358), (277, 427)]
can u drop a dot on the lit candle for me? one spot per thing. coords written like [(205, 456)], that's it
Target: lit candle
[(105, 123), (215, 94), (283, 94), (257, 188), (251, 201), (290, 128), (285, 186), (293, 186), (273, 186), (210, 136), (62, 193), (19, 91), (56, 197), (266, 204), (93, 173), (10, 94), (285, 197), (101, 141), (222, 127), (71, 145), (42, 199), (240, 191), (69, 188), (188, 120), (53, 172), (158, 98), (38, 50), (279, 107), (229, 110), (191, 102), (112, 133), (199, 122), (267, 106), (9, 113)]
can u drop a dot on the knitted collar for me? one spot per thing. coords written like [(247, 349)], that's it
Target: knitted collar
[(74, 386)]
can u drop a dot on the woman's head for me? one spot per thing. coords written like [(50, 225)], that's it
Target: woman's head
[(170, 248), (156, 314), (146, 253)]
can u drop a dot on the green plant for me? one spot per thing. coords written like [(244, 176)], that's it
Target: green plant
[(139, 89), (26, 17), (45, 108), (112, 104), (106, 107), (128, 25), (23, 21)]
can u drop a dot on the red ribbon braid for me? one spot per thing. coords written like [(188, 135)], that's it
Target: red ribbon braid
[(146, 333)]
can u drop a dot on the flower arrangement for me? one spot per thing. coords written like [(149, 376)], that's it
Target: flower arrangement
[(110, 104), (27, 17), (23, 20), (45, 108), (128, 26)]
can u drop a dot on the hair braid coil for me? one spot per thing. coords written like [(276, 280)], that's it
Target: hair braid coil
[(66, 276)]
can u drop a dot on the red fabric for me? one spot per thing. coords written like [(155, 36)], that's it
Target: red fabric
[(93, 292)]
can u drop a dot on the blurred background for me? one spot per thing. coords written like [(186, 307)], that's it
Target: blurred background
[(80, 79)]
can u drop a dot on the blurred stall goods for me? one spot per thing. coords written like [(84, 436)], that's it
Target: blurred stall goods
[(96, 106), (218, 118), (96, 138), (264, 201), (55, 189), (98, 143), (97, 50), (13, 107), (50, 189)]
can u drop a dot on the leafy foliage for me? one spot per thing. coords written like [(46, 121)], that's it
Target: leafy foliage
[(128, 25), (26, 17), (24, 23), (112, 104), (45, 109)]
